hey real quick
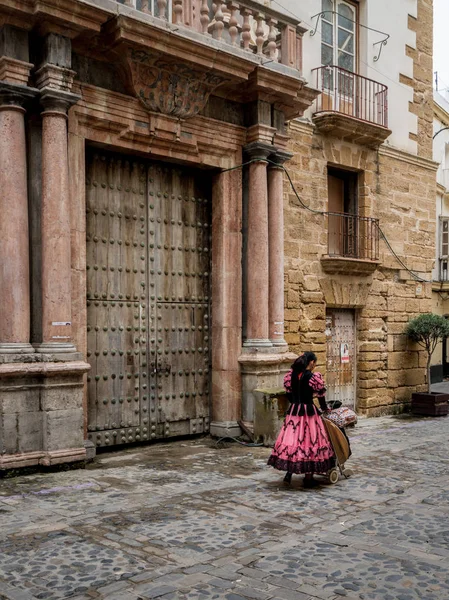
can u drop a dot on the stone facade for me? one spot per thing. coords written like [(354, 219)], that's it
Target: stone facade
[(395, 187), (197, 91), (422, 81), (170, 92), (399, 190)]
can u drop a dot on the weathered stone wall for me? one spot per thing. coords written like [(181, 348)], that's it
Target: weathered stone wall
[(422, 105), (398, 189)]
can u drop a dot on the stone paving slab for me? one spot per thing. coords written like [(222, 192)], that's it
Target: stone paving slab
[(190, 520)]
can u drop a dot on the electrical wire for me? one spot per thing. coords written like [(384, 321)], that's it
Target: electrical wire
[(322, 212), (242, 443)]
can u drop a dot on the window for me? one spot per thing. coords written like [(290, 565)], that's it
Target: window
[(339, 34), (343, 222), (444, 248)]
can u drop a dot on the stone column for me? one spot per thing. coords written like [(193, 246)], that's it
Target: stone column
[(276, 248), (226, 406), (14, 242), (257, 280), (55, 223)]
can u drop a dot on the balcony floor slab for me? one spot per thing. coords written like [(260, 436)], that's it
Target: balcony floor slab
[(344, 265), (350, 128)]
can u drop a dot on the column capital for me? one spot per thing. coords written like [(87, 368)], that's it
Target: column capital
[(57, 101), (12, 94), (278, 158), (258, 150)]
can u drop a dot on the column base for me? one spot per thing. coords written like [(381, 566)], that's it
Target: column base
[(257, 343), (280, 345), (222, 429), (55, 348), (16, 348)]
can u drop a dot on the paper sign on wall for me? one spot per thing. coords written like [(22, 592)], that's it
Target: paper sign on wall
[(344, 353)]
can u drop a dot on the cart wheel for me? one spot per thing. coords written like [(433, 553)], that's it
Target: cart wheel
[(333, 476), (348, 472)]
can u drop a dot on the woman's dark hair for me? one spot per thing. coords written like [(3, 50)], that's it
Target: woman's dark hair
[(302, 362), (298, 367)]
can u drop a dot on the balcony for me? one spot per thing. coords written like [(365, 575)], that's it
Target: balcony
[(248, 25), (353, 245), (351, 106), (240, 49)]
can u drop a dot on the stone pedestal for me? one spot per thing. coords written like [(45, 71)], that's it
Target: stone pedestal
[(261, 371), (41, 414), (271, 404), (14, 245)]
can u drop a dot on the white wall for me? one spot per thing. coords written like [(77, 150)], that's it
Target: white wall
[(389, 16), (441, 156)]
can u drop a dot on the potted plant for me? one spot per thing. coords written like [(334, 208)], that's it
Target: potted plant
[(428, 330)]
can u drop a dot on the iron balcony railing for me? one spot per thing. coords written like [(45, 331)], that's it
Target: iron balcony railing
[(246, 24), (350, 94), (351, 236)]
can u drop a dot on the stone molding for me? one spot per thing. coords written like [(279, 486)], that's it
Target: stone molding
[(128, 124), (223, 429), (57, 101), (10, 348), (47, 369), (46, 459), (252, 363), (16, 95), (301, 126), (260, 133), (55, 78), (258, 151), (279, 158), (343, 294), (14, 71), (411, 159)]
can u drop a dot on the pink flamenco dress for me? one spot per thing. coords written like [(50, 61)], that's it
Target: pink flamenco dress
[(302, 445)]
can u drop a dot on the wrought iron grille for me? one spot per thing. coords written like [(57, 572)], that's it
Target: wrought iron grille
[(352, 236), (350, 94)]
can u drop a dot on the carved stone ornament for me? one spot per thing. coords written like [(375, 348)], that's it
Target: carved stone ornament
[(169, 87)]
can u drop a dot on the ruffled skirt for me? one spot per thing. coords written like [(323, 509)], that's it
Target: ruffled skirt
[(302, 446)]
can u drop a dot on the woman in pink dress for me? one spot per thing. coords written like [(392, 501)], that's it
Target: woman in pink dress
[(302, 445)]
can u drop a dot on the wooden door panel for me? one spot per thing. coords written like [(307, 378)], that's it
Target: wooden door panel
[(116, 298), (148, 269), (180, 302)]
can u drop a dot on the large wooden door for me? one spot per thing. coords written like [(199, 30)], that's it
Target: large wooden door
[(341, 356), (148, 263)]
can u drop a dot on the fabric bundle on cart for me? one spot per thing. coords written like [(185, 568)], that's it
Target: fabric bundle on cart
[(342, 417)]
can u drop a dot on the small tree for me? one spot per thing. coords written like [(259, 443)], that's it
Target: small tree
[(427, 330)]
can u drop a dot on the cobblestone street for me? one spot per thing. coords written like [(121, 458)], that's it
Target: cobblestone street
[(190, 520)]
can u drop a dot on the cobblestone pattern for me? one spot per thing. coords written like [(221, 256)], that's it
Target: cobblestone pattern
[(190, 521)]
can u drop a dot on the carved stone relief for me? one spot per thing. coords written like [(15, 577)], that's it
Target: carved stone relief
[(169, 87)]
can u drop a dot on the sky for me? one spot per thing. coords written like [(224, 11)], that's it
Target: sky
[(441, 42)]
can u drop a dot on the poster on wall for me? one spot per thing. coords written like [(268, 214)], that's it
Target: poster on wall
[(344, 353)]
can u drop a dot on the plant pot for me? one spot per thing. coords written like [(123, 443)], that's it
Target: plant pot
[(430, 404)]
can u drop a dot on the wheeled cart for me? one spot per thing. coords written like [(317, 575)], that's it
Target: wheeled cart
[(341, 448)]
